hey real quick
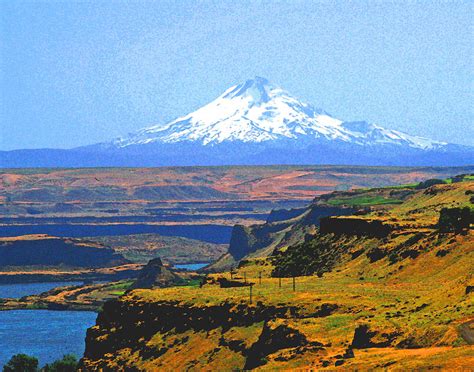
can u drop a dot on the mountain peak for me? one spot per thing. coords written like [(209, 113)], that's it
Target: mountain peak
[(256, 111), (258, 80), (257, 89)]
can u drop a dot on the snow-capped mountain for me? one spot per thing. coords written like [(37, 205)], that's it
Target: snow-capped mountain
[(253, 123), (257, 111)]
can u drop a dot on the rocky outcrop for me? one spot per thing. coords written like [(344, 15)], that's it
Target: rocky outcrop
[(277, 215), (354, 226), (226, 283), (317, 212), (364, 337), (155, 274), (274, 337), (247, 240)]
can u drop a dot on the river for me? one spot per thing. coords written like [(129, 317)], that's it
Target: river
[(219, 234), (26, 289), (44, 334)]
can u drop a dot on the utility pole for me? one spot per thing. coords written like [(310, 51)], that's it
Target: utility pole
[(250, 289), (279, 282), (245, 277), (294, 284)]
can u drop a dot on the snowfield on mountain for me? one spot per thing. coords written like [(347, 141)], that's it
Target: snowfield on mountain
[(257, 111)]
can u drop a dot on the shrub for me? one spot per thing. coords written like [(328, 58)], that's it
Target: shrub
[(454, 219), (21, 363), (428, 183), (67, 364)]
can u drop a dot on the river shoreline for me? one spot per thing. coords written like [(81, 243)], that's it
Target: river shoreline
[(79, 297)]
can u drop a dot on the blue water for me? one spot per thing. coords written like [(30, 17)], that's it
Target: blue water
[(218, 234), (191, 267), (45, 334), (26, 289)]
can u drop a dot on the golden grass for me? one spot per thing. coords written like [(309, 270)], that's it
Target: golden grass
[(424, 299)]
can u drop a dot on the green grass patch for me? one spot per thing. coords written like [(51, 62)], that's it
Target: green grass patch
[(117, 293), (36, 306), (403, 186), (120, 286), (338, 321), (363, 200)]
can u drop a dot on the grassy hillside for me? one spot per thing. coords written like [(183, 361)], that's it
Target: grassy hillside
[(344, 298)]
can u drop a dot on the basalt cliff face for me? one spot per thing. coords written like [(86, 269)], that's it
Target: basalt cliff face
[(44, 258), (261, 240), (148, 335), (354, 226), (44, 250)]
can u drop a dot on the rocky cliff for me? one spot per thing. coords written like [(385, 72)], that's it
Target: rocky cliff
[(133, 334), (354, 226), (155, 274), (44, 250), (260, 240)]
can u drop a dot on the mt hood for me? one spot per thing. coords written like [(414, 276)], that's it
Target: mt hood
[(253, 123), (256, 111)]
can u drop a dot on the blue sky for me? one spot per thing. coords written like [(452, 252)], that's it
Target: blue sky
[(76, 73)]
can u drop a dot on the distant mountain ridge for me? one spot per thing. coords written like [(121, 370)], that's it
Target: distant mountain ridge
[(254, 123)]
